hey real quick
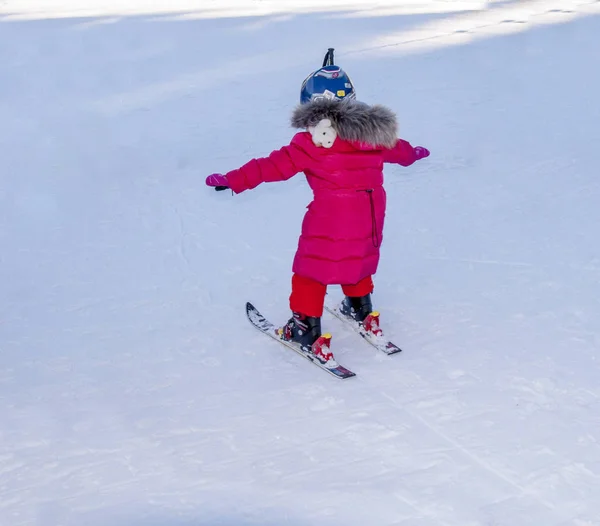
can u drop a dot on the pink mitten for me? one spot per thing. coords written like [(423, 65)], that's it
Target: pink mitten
[(218, 181), (420, 152)]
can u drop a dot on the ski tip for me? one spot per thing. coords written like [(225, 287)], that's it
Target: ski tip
[(250, 310)]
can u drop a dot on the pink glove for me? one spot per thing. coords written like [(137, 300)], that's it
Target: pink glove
[(420, 152), (218, 181)]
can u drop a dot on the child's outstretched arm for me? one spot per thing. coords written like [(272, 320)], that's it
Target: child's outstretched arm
[(279, 165), (404, 154)]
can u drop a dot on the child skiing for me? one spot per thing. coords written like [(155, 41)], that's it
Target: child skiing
[(342, 153)]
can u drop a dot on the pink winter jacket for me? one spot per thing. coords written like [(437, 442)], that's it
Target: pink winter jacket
[(343, 227)]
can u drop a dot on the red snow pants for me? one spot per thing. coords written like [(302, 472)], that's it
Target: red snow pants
[(308, 295)]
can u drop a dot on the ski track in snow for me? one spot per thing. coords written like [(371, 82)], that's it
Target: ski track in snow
[(132, 389)]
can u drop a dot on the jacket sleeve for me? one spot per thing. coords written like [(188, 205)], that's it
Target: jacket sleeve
[(279, 165), (403, 154)]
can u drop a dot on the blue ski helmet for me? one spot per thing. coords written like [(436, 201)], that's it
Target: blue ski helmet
[(330, 82)]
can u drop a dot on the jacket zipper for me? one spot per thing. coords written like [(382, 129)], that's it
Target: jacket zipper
[(374, 233)]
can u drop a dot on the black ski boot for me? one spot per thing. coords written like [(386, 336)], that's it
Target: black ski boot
[(360, 309), (306, 332), (357, 308)]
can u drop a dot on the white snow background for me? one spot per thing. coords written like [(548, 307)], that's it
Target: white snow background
[(134, 392)]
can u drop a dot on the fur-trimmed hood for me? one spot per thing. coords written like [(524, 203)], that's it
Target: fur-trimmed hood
[(353, 121)]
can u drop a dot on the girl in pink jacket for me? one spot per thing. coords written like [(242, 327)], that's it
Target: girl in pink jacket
[(342, 153)]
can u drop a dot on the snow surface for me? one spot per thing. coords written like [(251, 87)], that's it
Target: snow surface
[(134, 392)]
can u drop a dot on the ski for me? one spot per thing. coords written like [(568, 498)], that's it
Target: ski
[(379, 342), (266, 327)]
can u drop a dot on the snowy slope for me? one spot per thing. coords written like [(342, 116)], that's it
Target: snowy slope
[(132, 389)]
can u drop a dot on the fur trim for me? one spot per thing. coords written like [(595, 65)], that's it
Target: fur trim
[(353, 121)]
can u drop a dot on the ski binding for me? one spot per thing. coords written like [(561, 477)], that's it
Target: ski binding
[(266, 327), (376, 340)]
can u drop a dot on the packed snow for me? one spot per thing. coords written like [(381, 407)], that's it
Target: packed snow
[(133, 390)]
